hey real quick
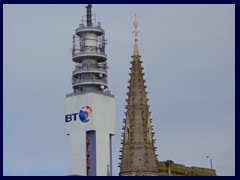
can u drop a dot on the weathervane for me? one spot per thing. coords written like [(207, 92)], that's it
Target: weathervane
[(135, 24)]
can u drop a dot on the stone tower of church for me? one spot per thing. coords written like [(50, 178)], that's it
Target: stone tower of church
[(138, 156)]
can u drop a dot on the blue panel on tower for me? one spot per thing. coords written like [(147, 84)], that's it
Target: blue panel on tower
[(91, 153)]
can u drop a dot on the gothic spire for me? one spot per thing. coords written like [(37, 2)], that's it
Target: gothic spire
[(138, 156)]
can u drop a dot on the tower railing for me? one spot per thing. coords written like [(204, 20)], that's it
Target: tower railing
[(92, 81), (88, 53), (82, 27), (89, 68), (96, 29), (107, 93)]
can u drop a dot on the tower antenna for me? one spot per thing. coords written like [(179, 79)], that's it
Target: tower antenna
[(89, 14)]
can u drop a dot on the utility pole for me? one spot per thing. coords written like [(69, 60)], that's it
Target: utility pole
[(208, 156), (169, 162)]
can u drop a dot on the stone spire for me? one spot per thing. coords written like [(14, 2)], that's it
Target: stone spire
[(138, 156)]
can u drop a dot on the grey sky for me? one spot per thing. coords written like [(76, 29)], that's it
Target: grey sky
[(188, 54)]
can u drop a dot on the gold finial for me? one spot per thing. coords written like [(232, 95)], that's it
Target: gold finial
[(135, 24)]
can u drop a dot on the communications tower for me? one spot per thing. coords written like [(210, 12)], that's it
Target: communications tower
[(90, 108)]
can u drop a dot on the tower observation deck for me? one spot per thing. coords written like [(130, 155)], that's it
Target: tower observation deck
[(88, 53)]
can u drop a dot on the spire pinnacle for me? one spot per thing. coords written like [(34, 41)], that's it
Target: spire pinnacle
[(135, 24)]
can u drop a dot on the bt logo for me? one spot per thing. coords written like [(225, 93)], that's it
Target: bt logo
[(83, 115)]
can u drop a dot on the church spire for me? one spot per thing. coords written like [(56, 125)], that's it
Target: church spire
[(138, 156)]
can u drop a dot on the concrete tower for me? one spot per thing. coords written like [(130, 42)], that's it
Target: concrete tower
[(138, 156), (90, 109)]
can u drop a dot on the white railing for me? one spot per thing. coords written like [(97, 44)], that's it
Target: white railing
[(98, 69), (108, 93), (103, 81), (90, 28), (93, 53)]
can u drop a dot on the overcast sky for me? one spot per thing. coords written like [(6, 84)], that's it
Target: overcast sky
[(188, 54)]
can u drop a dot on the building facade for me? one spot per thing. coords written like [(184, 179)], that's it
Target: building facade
[(90, 108)]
